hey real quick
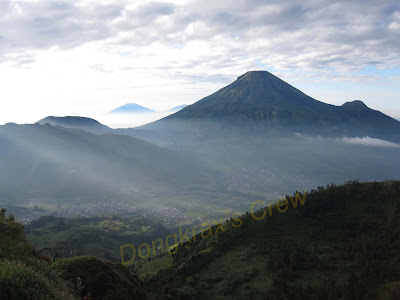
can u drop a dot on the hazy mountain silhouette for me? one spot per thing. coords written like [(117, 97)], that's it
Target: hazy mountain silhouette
[(178, 108), (86, 124), (131, 108), (53, 161)]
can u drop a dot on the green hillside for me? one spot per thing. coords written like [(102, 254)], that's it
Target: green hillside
[(26, 273), (339, 242), (97, 236), (342, 244)]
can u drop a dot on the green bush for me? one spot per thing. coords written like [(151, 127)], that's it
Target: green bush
[(100, 278), (20, 281)]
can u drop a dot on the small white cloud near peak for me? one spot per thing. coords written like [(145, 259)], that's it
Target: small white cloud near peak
[(368, 141)]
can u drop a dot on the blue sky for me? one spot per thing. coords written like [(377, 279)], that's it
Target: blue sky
[(88, 57)]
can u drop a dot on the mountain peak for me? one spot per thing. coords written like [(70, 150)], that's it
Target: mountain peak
[(355, 105), (177, 108), (261, 101), (255, 95), (256, 74), (131, 108)]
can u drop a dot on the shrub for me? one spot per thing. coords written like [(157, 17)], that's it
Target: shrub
[(20, 281)]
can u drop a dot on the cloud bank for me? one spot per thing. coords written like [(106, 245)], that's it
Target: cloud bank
[(157, 52), (368, 141), (312, 35)]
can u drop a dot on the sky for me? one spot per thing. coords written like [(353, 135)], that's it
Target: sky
[(87, 57)]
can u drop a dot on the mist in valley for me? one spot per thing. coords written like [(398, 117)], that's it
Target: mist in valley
[(198, 169)]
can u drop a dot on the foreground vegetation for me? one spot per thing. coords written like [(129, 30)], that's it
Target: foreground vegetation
[(97, 236), (25, 273), (341, 244)]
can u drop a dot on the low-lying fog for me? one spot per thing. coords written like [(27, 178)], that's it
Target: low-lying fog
[(128, 120)]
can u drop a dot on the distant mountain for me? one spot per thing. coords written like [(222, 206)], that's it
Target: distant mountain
[(131, 108), (82, 123), (259, 96), (177, 108), (259, 102)]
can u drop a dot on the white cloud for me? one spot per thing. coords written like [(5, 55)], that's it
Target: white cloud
[(68, 53), (312, 35), (368, 141)]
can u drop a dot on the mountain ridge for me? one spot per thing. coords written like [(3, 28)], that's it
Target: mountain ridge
[(68, 162), (77, 122), (264, 103)]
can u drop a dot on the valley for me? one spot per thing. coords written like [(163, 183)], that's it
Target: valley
[(86, 192), (191, 150)]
